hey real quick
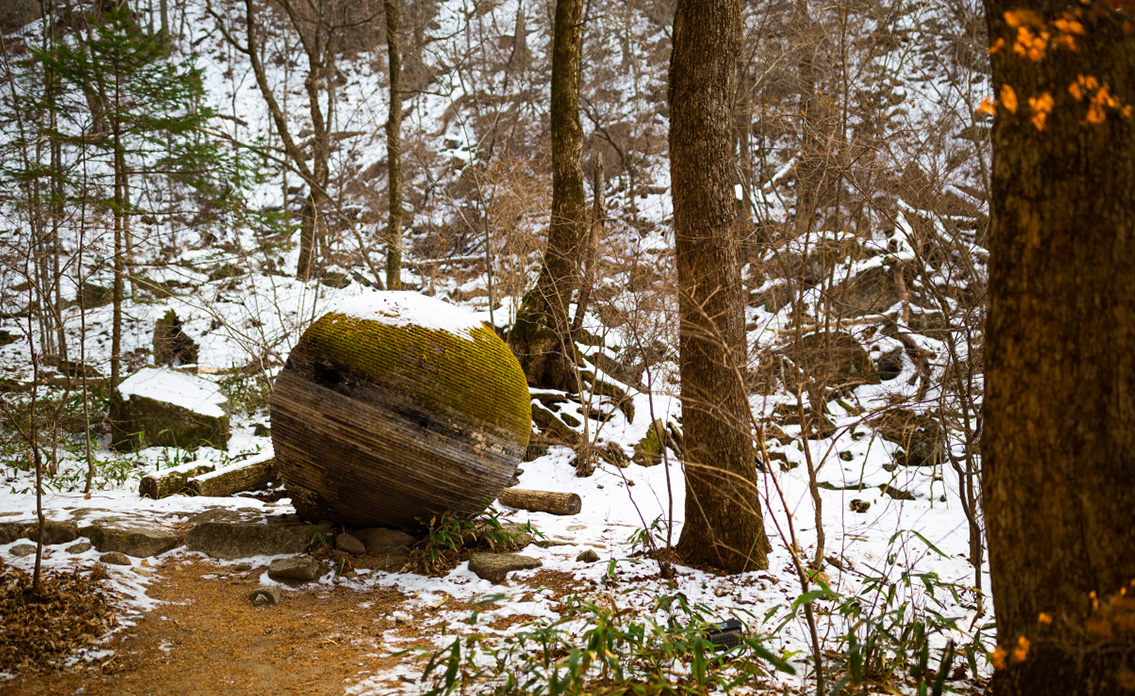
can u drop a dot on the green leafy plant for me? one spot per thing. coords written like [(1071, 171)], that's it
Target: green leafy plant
[(595, 649), (447, 536)]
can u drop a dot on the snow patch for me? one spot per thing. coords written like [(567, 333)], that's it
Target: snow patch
[(172, 387), (399, 308)]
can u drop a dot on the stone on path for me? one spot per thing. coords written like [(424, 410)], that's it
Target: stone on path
[(265, 596), (495, 566), (139, 542), (243, 540), (300, 568)]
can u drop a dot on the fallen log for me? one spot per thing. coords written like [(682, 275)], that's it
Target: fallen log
[(251, 475), (541, 501), (160, 484)]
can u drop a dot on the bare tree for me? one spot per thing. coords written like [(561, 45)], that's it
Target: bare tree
[(724, 527)]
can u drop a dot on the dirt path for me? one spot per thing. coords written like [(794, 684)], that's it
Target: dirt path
[(207, 638)]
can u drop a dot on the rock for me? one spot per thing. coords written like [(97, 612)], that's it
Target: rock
[(260, 430), (172, 347), (53, 532), (418, 407), (494, 566), (139, 542), (298, 569), (242, 540), (870, 292), (21, 550), (588, 556), (350, 544), (774, 298), (921, 437), (160, 406), (889, 364), (15, 14), (265, 596), (380, 540), (81, 547), (115, 558), (858, 505), (896, 493), (834, 360), (554, 430), (335, 279), (817, 427), (7, 337), (648, 451), (92, 295)]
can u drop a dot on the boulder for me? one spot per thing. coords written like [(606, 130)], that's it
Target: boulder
[(15, 14), (298, 569), (115, 558), (380, 540), (242, 540), (495, 566), (418, 407), (20, 550), (53, 532), (833, 360), (160, 406), (350, 543), (648, 450), (139, 542), (922, 438)]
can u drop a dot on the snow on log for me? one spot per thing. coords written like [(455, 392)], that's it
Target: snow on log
[(396, 407), (167, 482), (541, 501), (249, 475)]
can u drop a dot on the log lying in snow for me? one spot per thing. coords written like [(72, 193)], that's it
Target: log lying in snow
[(206, 479), (541, 501), (250, 475), (159, 484)]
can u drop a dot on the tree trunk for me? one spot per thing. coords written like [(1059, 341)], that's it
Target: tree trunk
[(723, 527), (540, 338), (394, 151), (1058, 473)]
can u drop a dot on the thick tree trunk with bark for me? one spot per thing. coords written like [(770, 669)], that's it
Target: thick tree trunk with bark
[(1059, 441), (541, 336), (724, 527), (394, 151)]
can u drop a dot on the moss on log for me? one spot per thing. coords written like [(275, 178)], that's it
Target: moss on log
[(378, 423)]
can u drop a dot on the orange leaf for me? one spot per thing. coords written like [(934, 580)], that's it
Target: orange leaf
[(1041, 107), (986, 106), (1009, 98)]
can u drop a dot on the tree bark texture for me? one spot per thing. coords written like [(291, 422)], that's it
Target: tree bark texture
[(724, 527), (394, 151), (541, 336), (1058, 474)]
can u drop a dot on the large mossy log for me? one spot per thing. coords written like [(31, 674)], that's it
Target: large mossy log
[(396, 408)]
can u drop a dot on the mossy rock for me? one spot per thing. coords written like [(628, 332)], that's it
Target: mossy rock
[(659, 435), (396, 407), (170, 409)]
